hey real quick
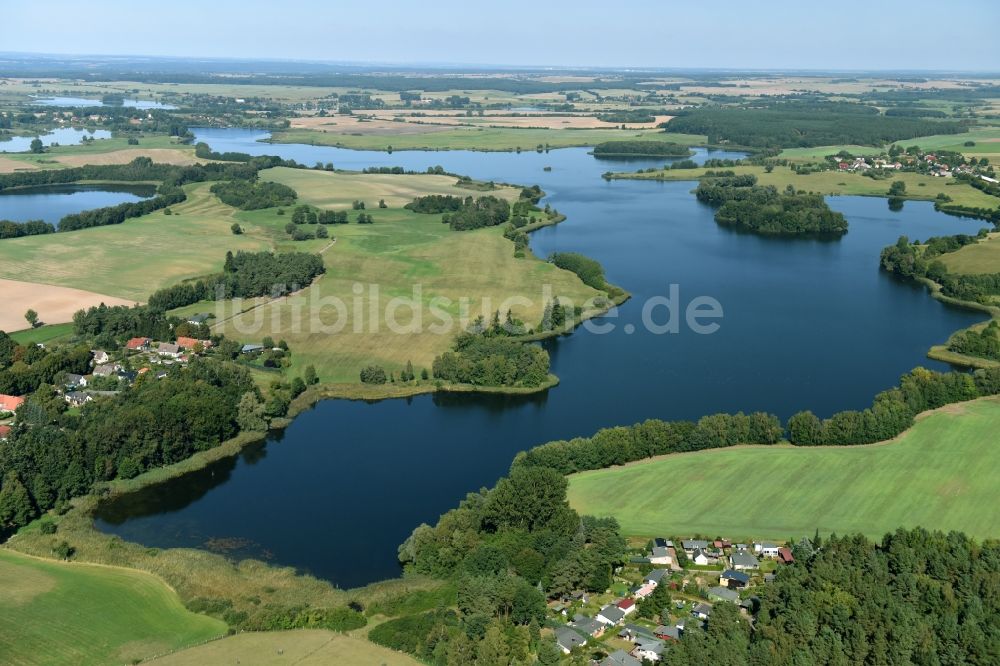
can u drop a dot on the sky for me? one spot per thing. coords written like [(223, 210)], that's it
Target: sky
[(766, 34)]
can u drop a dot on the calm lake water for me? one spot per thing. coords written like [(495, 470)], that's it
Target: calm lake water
[(85, 102), (807, 324), (51, 202), (64, 136)]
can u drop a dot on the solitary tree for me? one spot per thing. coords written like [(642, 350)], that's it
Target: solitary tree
[(32, 318), (36, 145), (236, 229), (897, 189)]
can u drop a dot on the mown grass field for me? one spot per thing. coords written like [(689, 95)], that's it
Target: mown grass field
[(303, 647), (481, 138), (941, 474), (982, 257), (400, 252), (55, 613), (987, 140), (841, 182), (133, 259)]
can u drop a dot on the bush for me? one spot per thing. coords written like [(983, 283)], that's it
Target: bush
[(373, 374)]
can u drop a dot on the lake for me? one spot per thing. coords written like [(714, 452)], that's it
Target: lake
[(808, 324), (64, 136), (52, 202), (62, 101)]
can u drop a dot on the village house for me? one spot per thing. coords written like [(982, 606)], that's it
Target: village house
[(667, 633), (691, 545), (662, 555), (700, 557), (785, 555), (77, 398), (632, 632), (644, 591), (620, 658), (655, 576), (742, 560), (199, 318), (734, 579), (189, 343), (138, 344), (766, 549), (74, 381), (100, 357), (627, 606), (611, 615), (702, 611), (10, 403), (250, 349), (567, 639), (587, 625), (107, 370), (648, 649), (168, 349)]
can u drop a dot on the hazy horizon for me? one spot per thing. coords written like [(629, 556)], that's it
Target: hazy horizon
[(851, 36)]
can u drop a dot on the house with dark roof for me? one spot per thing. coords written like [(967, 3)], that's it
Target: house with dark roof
[(666, 633), (734, 579), (662, 555), (743, 561), (587, 625), (691, 545), (567, 639), (702, 611), (655, 576), (620, 658), (648, 649), (611, 615), (74, 380), (700, 557)]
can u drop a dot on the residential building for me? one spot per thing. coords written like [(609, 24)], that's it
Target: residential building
[(106, 370), (702, 611), (644, 591), (77, 398), (74, 380), (700, 557), (249, 349), (10, 403), (743, 561), (662, 555), (667, 633), (767, 549), (691, 545), (168, 349), (655, 576), (785, 555), (611, 615), (648, 649), (137, 344), (567, 639), (100, 356), (734, 579), (627, 606), (620, 658), (588, 625)]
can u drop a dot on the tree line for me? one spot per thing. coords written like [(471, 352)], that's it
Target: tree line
[(641, 149), (787, 124), (492, 360), (891, 413)]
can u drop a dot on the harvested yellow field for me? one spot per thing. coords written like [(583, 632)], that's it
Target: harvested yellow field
[(10, 165), (177, 156), (54, 305)]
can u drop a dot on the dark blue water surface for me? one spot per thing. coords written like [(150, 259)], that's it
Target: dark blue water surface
[(51, 202), (808, 324)]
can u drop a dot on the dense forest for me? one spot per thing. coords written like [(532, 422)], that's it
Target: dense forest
[(505, 549), (763, 209), (641, 149), (802, 124)]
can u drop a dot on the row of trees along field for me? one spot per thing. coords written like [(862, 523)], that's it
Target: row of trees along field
[(891, 413), (764, 210), (791, 124), (641, 149)]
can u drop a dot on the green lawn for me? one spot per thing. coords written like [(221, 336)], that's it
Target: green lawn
[(941, 474), (56, 613), (482, 138), (43, 334), (400, 251), (982, 257)]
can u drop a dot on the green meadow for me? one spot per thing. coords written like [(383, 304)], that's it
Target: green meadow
[(936, 475), (59, 613)]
